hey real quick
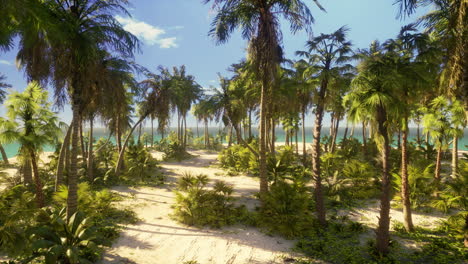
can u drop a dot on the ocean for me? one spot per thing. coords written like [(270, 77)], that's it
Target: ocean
[(12, 149)]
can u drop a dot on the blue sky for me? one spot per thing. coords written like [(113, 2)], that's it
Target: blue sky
[(175, 32)]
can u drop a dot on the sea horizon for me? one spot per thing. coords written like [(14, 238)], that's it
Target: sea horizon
[(12, 149)]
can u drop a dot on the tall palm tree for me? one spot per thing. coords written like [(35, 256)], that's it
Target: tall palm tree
[(418, 70), (259, 23), (71, 47), (375, 89), (328, 55), (32, 124)]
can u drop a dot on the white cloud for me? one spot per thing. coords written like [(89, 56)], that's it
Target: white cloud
[(5, 62), (149, 34)]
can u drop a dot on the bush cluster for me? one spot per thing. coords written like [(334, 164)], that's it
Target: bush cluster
[(198, 205)]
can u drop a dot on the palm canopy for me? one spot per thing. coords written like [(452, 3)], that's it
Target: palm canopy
[(30, 120), (444, 119), (376, 85), (247, 15), (66, 51), (327, 56)]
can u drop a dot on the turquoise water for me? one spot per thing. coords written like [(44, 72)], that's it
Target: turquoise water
[(12, 149)]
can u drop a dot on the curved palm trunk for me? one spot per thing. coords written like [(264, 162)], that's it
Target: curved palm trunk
[(4, 155), (185, 131), (122, 152), (139, 134), (383, 234), (418, 134), (61, 160), (455, 156), (286, 137), (72, 199), (90, 164), (316, 149), (37, 180), (405, 188), (297, 142)]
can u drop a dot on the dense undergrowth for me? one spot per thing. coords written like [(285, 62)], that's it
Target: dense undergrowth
[(351, 177), (29, 234)]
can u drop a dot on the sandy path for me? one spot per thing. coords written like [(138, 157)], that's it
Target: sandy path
[(159, 239)]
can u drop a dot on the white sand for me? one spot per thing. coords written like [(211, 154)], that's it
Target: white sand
[(159, 239)]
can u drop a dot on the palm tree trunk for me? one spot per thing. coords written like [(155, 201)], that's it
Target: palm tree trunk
[(118, 133), (72, 199), (438, 168), (139, 134), (297, 141), (345, 136), (185, 131), (455, 156), (27, 172), (383, 234), (230, 136), (273, 135), (418, 135), (122, 152), (152, 132), (263, 141), (335, 133), (37, 180), (316, 149), (62, 156), (4, 155), (250, 125), (198, 133), (364, 145), (90, 165), (286, 137), (304, 150), (83, 149), (405, 188), (352, 131)]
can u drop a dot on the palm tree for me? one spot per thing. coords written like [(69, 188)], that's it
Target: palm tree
[(67, 52), (259, 22), (186, 91), (32, 124), (443, 119), (3, 85), (374, 89), (417, 73), (448, 20), (155, 100), (327, 54)]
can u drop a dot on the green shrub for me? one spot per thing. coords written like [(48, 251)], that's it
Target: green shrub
[(175, 151), (286, 209), (17, 214), (197, 205), (238, 158), (339, 243), (140, 165), (56, 240)]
